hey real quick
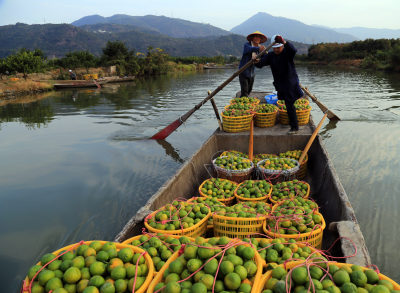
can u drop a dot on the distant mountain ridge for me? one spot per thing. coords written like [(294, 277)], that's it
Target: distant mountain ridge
[(363, 33), (290, 29), (173, 27)]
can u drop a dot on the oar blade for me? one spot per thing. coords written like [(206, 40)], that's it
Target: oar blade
[(165, 132)]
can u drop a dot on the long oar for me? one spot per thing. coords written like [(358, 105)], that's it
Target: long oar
[(216, 112), (331, 115), (162, 134), (251, 140), (311, 140)]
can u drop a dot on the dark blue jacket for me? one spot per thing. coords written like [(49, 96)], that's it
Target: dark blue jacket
[(286, 81), (246, 57)]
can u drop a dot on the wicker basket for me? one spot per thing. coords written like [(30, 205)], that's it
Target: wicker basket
[(299, 244), (237, 176), (256, 101), (243, 199), (160, 276), (119, 246), (257, 288), (314, 238), (196, 230), (277, 201), (303, 116), (302, 173), (265, 120), (275, 176), (226, 201), (241, 228), (236, 124)]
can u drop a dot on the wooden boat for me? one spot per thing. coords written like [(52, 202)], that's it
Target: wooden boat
[(114, 79), (226, 66), (78, 84), (326, 188)]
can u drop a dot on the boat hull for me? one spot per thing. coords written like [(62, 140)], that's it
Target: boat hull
[(326, 188)]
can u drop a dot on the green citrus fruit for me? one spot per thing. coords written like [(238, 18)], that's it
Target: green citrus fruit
[(125, 254), (44, 276), (118, 273), (97, 268), (372, 276), (96, 281), (358, 278), (227, 267), (198, 288), (72, 275), (120, 285), (53, 284), (232, 281), (300, 275), (46, 258), (341, 277)]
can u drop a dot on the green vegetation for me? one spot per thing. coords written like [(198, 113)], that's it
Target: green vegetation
[(204, 59), (128, 62), (24, 61), (382, 54)]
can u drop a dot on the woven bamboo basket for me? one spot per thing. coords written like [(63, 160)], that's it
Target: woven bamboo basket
[(237, 176), (314, 238), (236, 124), (265, 120), (303, 116), (148, 260), (257, 288), (275, 176)]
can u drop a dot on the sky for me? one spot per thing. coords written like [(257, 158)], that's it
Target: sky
[(223, 14)]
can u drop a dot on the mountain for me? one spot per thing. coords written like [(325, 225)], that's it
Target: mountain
[(173, 27), (53, 39), (363, 33), (290, 29), (58, 39)]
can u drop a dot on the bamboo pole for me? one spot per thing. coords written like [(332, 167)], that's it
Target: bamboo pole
[(311, 140)]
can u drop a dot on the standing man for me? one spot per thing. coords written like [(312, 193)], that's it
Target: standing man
[(250, 51), (286, 81), (72, 75)]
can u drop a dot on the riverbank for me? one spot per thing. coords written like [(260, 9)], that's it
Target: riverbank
[(16, 85)]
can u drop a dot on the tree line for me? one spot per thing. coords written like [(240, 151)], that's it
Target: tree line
[(128, 62), (375, 54)]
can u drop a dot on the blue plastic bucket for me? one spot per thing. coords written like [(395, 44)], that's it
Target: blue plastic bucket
[(271, 99)]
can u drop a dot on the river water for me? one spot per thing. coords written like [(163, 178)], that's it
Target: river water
[(77, 164)]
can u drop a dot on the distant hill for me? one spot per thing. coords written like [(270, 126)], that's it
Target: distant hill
[(53, 39), (363, 33), (58, 39), (173, 27), (290, 29)]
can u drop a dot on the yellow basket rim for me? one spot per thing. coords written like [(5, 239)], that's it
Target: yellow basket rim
[(190, 229), (295, 236), (305, 197), (252, 199), (137, 237), (222, 200), (236, 117), (265, 114), (257, 101), (136, 249), (222, 217), (297, 111)]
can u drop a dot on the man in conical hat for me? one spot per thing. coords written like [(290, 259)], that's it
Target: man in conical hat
[(250, 51)]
